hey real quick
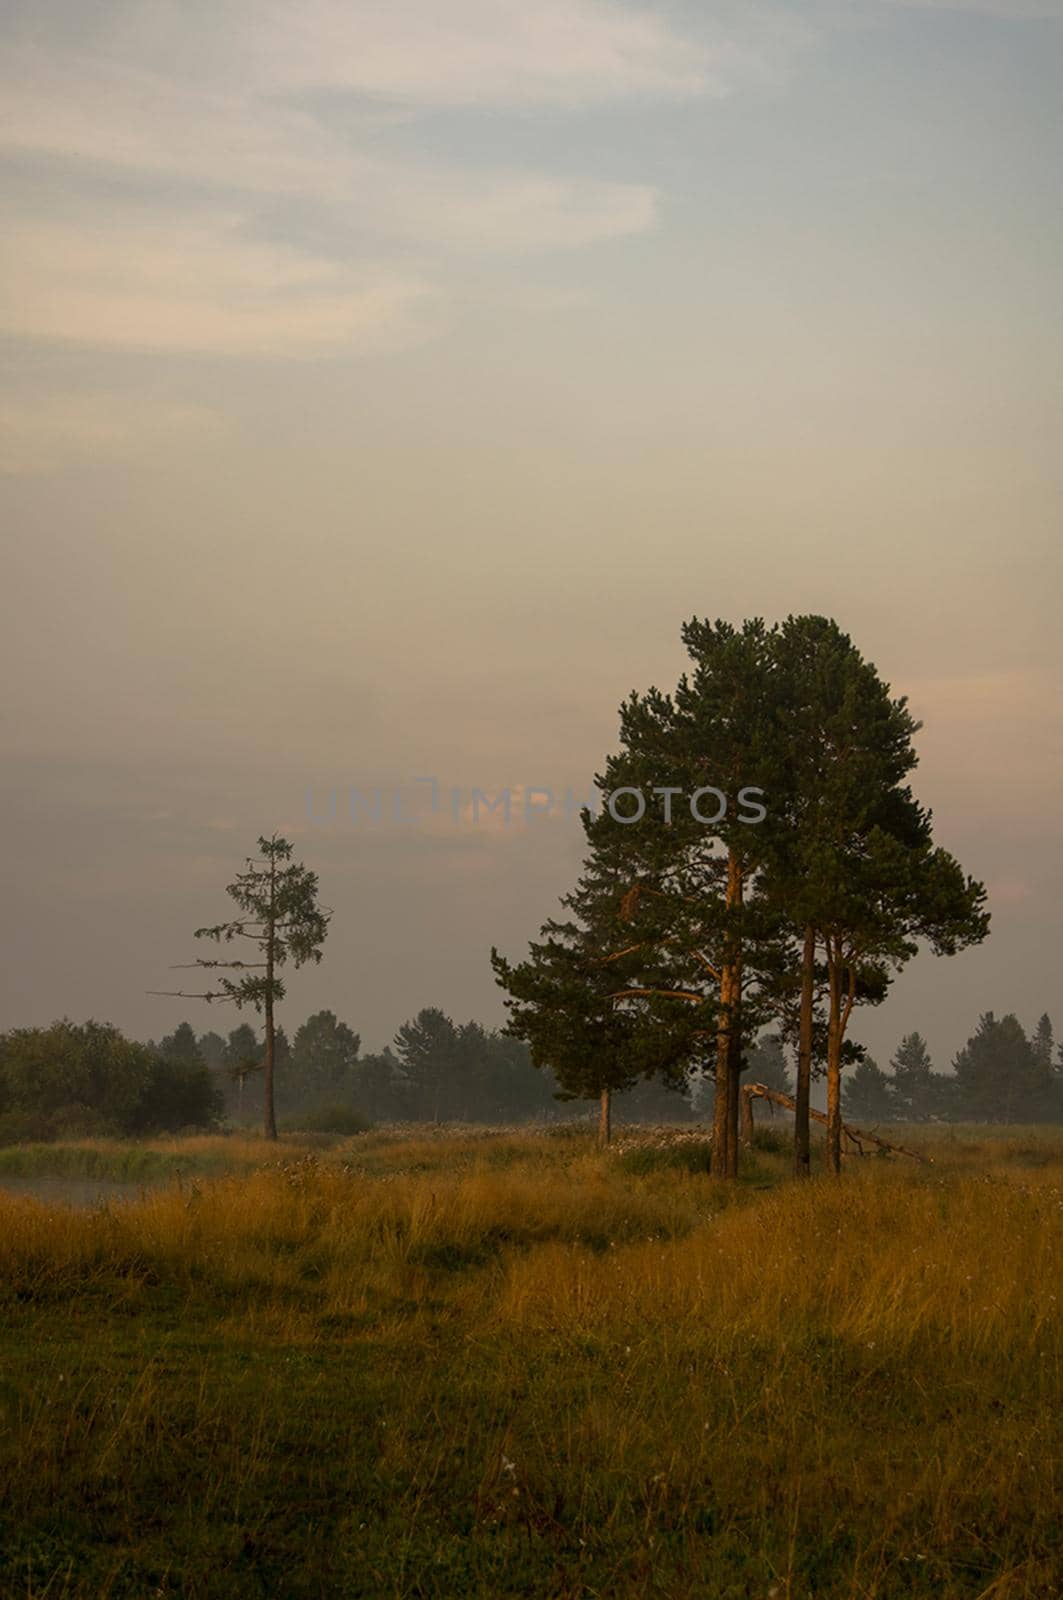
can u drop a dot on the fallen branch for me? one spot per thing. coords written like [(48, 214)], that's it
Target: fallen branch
[(775, 1097)]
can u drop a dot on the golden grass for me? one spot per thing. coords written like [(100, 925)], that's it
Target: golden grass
[(494, 1365)]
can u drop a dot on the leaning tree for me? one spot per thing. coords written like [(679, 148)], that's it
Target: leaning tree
[(279, 915)]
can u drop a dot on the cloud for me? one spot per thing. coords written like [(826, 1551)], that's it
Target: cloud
[(203, 104), (418, 52), (194, 284)]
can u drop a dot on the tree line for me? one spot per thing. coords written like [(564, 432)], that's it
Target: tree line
[(1001, 1075), (86, 1080), (83, 1080), (690, 931)]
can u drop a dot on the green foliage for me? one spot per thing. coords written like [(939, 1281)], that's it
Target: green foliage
[(83, 1080), (181, 1045), (212, 1048), (444, 1071), (868, 1095), (342, 1119), (1000, 1076), (323, 1056), (766, 1064), (279, 913), (180, 1094)]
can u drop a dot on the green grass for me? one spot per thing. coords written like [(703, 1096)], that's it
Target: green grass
[(496, 1366)]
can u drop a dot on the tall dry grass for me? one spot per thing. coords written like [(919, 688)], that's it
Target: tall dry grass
[(512, 1365)]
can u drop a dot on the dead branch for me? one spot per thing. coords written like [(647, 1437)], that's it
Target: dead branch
[(182, 994), (760, 1091), (178, 966)]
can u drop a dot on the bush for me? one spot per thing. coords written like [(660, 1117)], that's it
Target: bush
[(25, 1127), (179, 1095), (84, 1080), (328, 1119)]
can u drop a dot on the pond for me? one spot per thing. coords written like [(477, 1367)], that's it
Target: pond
[(81, 1192)]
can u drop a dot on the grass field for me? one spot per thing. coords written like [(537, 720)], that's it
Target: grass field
[(493, 1365)]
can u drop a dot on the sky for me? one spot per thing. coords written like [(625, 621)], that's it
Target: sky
[(385, 385)]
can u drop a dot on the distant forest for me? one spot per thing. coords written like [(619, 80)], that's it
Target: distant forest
[(71, 1080)]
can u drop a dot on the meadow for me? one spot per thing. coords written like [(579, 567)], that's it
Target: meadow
[(486, 1364)]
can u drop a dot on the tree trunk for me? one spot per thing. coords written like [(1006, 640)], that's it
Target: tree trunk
[(722, 1083), (803, 1086), (734, 1073), (747, 1119), (271, 935), (834, 1060), (729, 1039), (605, 1118)]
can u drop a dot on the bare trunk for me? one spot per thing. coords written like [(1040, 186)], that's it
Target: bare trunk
[(271, 935), (747, 1119), (722, 1081), (729, 1039), (605, 1117), (834, 1059), (803, 1086), (734, 1066)]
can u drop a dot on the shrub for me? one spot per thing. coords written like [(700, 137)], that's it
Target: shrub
[(328, 1119)]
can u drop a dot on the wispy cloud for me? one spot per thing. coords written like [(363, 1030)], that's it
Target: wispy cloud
[(194, 283), (213, 107), (467, 52)]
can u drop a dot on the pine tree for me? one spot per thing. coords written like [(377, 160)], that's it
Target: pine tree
[(766, 1064), (181, 1045), (998, 1075), (1042, 1042), (868, 1095), (691, 864), (913, 1079), (212, 1049), (857, 867), (575, 1002), (427, 1048), (280, 916), (323, 1055)]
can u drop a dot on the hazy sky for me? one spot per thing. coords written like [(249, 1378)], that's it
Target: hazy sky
[(384, 384)]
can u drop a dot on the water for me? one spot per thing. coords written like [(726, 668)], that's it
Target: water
[(79, 1192)]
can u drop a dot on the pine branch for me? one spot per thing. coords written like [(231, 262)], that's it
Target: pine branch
[(664, 994), (177, 966), (182, 994)]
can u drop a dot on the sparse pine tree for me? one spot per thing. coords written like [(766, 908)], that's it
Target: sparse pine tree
[(281, 918)]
